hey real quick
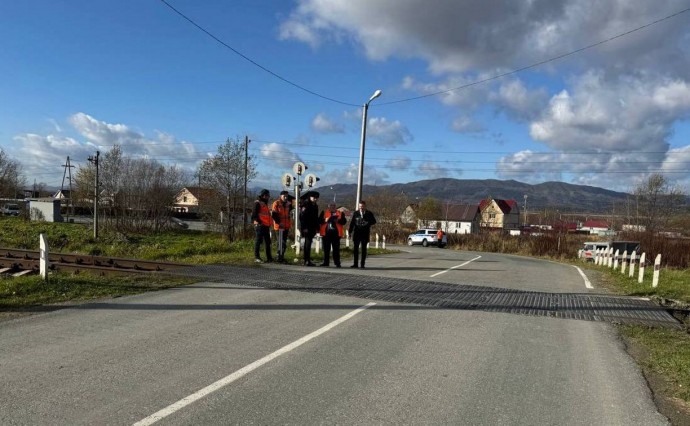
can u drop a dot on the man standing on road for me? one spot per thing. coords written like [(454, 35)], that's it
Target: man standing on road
[(281, 209), (261, 217), (309, 222), (331, 231), (360, 229)]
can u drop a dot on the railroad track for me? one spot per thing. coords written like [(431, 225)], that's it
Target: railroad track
[(22, 262)]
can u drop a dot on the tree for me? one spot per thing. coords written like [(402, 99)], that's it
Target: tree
[(388, 209), (657, 202), (225, 174), (11, 178), (428, 211), (133, 194)]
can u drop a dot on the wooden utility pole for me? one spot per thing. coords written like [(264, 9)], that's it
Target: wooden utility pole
[(94, 160), (246, 161)]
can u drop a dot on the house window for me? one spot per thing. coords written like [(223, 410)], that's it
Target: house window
[(492, 215), (184, 199)]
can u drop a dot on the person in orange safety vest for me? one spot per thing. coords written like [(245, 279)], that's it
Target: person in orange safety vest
[(261, 218), (331, 230), (282, 222)]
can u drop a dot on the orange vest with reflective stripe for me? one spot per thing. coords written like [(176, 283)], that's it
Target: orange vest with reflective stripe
[(327, 214), (284, 215), (264, 214)]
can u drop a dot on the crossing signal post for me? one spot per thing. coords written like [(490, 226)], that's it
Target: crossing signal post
[(288, 181)]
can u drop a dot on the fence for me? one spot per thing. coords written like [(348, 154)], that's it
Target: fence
[(616, 260)]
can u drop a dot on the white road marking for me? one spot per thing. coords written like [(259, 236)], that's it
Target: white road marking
[(454, 267), (165, 412), (584, 277)]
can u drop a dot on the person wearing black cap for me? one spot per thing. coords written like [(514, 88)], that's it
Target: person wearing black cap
[(282, 222), (261, 217), (309, 222)]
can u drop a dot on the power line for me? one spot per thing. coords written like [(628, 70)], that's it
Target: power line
[(464, 86), (536, 64), (253, 62)]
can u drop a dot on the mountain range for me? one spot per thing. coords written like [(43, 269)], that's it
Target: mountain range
[(548, 195)]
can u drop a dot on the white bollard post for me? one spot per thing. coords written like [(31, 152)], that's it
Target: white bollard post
[(616, 255), (632, 264), (44, 262), (384, 242), (377, 240), (298, 244), (347, 239), (657, 268), (317, 246), (624, 262), (643, 259), (597, 256), (609, 259)]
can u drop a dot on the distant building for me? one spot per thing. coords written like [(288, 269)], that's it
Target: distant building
[(190, 198), (460, 219), (596, 227), (497, 214)]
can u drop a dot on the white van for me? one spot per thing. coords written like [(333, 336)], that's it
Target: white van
[(589, 248)]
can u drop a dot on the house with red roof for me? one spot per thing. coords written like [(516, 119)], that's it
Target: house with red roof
[(596, 227), (498, 214)]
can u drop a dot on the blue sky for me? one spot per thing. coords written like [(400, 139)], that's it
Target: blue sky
[(79, 76)]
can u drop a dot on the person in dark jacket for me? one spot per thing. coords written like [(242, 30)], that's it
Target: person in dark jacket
[(309, 222), (261, 217), (331, 231), (360, 229)]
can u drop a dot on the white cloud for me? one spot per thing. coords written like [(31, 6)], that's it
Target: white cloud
[(322, 124), (45, 155), (387, 133), (433, 170), (104, 134), (621, 100), (349, 174), (279, 156), (465, 124), (399, 163), (456, 37)]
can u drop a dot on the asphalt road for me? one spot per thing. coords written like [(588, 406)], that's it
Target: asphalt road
[(217, 353)]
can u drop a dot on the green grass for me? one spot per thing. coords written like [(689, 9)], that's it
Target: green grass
[(183, 246), (667, 353), (673, 283), (662, 352), (60, 288)]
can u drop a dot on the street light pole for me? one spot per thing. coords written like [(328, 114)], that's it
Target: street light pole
[(365, 108)]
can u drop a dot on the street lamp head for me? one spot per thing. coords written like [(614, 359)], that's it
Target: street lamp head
[(376, 94)]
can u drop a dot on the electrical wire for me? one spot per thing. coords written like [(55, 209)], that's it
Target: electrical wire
[(464, 86)]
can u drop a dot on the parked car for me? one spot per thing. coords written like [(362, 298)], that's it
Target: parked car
[(10, 209), (424, 237)]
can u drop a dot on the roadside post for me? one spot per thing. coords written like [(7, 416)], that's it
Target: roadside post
[(632, 264), (624, 262), (643, 259), (44, 262), (657, 268), (615, 259)]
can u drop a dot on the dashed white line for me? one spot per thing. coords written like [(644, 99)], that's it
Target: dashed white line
[(454, 267), (165, 412), (584, 277)]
